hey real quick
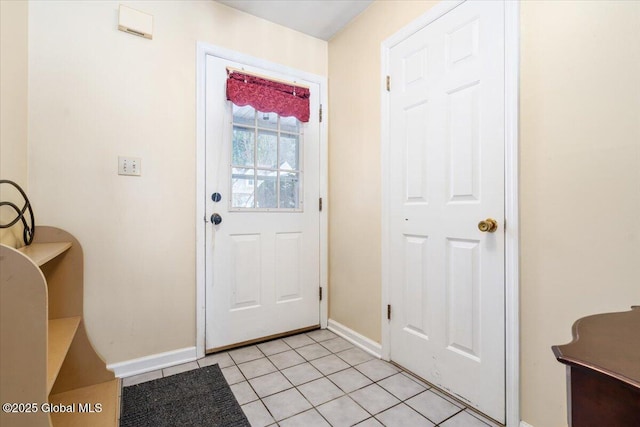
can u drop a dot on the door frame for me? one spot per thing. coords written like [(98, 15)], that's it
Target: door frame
[(512, 239), (202, 51)]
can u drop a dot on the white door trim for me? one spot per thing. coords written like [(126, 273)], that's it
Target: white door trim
[(512, 240), (204, 49)]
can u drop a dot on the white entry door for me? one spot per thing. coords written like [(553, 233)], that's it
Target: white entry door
[(262, 179), (446, 136)]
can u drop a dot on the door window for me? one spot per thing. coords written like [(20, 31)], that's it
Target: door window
[(266, 173)]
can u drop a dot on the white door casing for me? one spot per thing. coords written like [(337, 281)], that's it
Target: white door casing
[(446, 140), (263, 268)]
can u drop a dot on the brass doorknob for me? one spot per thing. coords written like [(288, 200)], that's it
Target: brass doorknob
[(489, 225)]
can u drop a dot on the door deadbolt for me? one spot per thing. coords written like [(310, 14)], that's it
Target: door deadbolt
[(489, 225)]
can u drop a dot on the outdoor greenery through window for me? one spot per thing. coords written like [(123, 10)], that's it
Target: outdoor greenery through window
[(265, 161)]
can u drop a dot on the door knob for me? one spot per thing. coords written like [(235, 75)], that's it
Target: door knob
[(489, 225), (216, 218)]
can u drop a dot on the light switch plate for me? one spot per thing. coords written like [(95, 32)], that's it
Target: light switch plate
[(129, 166)]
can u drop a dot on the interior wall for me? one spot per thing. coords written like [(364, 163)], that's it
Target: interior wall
[(13, 98), (96, 93), (580, 181), (354, 164), (579, 184)]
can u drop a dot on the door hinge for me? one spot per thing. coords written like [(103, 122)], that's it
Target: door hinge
[(320, 204), (388, 311), (388, 83), (320, 293), (320, 114)]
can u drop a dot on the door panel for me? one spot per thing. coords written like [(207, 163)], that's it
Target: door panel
[(263, 259), (446, 166)]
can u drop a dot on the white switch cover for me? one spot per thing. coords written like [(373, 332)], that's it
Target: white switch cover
[(129, 165)]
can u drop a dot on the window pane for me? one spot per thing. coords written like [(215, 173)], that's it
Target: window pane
[(242, 188), (244, 115), (289, 152), (289, 124), (242, 146), (289, 190), (266, 195), (267, 149), (267, 120)]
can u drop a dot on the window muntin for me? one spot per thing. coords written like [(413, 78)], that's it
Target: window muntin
[(266, 173)]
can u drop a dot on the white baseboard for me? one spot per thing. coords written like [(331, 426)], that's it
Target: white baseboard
[(153, 362), (357, 339), (524, 424)]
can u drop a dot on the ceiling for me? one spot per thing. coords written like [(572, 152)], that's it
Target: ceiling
[(317, 18)]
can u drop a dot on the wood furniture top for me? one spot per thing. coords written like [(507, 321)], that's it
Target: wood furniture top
[(608, 343)]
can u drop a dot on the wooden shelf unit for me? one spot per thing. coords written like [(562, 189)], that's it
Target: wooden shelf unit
[(46, 357)]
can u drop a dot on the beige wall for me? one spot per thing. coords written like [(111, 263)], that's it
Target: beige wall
[(13, 111), (13, 91), (580, 181), (354, 163), (96, 93), (580, 176)]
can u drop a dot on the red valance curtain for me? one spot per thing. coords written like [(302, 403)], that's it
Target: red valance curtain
[(268, 96)]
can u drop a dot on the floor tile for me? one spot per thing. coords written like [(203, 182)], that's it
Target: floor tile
[(286, 403), (401, 386), (301, 374), (232, 374), (342, 412), (310, 418), (273, 347), (298, 341), (257, 367), (329, 364), (370, 422), (180, 368), (312, 351), (320, 335), (485, 420), (257, 414), (463, 419), (377, 369), (243, 393), (447, 397), (349, 380), (354, 356), (336, 344), (416, 379), (403, 416), (432, 406), (142, 378), (222, 359), (286, 359), (320, 391), (245, 354), (374, 398), (267, 385)]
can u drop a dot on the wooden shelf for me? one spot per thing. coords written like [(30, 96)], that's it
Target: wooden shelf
[(46, 352), (106, 394), (41, 253), (61, 333)]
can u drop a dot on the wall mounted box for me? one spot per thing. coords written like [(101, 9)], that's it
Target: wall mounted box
[(135, 22)]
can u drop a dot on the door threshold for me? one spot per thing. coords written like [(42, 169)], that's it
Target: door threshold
[(261, 340), (448, 395)]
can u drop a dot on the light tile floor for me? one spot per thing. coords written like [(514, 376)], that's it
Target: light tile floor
[(319, 379)]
